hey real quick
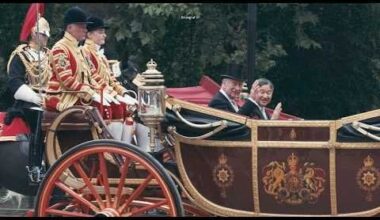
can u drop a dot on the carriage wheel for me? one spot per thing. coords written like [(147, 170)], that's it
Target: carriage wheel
[(107, 189)]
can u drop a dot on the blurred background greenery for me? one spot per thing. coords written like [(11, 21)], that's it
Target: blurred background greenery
[(323, 58)]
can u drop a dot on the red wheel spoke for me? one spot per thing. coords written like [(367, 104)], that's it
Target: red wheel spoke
[(104, 174), (93, 169), (146, 208), (136, 193), (88, 183), (76, 196), (124, 171), (66, 213), (59, 204), (82, 197)]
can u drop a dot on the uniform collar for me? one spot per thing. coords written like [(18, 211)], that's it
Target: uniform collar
[(71, 39), (91, 44)]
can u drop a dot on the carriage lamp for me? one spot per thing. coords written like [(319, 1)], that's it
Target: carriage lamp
[(151, 98)]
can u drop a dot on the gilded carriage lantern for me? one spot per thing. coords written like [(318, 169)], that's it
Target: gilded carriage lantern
[(151, 98)]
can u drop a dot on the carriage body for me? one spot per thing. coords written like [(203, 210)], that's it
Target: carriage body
[(237, 167), (280, 168)]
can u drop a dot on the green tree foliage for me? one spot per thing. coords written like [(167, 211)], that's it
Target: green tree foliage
[(11, 16), (339, 75), (323, 58)]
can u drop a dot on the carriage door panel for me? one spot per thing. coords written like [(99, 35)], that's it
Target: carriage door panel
[(220, 171), (293, 171), (357, 179)]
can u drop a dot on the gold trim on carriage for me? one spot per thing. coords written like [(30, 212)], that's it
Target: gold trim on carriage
[(228, 165)]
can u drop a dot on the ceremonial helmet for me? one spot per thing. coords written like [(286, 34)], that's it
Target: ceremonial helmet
[(42, 27)]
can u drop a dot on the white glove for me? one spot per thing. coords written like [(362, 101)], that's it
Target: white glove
[(277, 111), (115, 100), (25, 93), (110, 99), (127, 99), (96, 98), (107, 97)]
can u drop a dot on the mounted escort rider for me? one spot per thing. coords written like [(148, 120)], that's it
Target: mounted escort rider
[(28, 71)]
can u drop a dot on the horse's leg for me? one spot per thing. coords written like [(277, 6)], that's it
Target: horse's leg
[(13, 173)]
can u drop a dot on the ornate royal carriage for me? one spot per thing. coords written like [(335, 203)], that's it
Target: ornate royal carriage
[(214, 163)]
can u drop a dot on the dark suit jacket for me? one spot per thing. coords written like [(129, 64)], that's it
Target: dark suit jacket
[(219, 101), (251, 109)]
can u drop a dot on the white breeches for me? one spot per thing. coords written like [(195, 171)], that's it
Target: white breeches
[(116, 129), (127, 133)]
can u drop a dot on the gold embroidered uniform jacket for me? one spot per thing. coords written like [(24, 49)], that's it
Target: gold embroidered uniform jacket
[(70, 73), (23, 68), (101, 71)]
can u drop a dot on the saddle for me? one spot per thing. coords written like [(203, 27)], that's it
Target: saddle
[(79, 119), (17, 129)]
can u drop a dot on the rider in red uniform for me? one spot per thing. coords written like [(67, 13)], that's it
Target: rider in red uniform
[(101, 71)]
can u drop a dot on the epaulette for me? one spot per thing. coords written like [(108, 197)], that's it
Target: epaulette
[(18, 50)]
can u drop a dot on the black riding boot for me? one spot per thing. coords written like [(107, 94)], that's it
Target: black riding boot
[(35, 168)]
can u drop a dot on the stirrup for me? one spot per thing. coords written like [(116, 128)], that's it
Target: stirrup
[(35, 174)]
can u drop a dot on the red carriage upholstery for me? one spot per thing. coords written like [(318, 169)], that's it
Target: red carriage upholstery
[(203, 93), (17, 127)]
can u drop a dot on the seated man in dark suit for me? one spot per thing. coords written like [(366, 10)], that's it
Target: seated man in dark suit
[(260, 96), (229, 90)]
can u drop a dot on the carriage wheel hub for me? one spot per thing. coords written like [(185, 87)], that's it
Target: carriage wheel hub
[(108, 212)]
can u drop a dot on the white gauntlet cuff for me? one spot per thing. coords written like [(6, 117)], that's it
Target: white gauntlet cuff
[(25, 93)]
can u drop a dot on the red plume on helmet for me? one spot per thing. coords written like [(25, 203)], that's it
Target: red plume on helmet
[(30, 19)]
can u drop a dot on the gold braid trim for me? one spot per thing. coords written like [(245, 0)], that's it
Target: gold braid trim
[(103, 69), (115, 85), (31, 68), (19, 48), (69, 99)]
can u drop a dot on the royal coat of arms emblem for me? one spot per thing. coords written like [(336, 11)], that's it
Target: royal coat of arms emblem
[(292, 183)]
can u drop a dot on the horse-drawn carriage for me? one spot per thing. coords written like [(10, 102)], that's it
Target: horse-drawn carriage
[(216, 163)]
